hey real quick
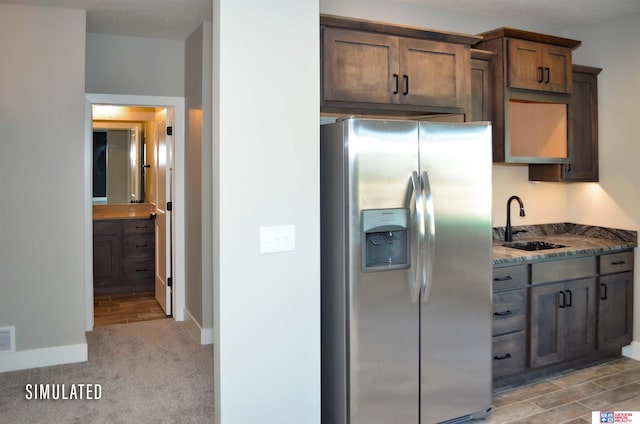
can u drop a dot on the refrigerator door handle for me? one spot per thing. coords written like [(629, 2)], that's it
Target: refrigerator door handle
[(429, 236), (417, 280)]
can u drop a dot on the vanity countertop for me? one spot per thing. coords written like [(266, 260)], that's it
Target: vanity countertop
[(124, 211), (579, 240)]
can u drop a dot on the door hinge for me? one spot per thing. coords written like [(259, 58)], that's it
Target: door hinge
[(169, 206), (169, 282), (169, 130)]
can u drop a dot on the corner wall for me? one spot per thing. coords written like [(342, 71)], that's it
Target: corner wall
[(42, 184), (199, 237), (266, 83)]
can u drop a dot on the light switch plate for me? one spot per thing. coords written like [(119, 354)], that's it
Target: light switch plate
[(277, 239)]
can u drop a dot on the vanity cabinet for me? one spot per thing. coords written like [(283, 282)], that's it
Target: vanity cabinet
[(583, 133), (530, 94), (123, 256), (615, 300), (371, 66), (509, 312)]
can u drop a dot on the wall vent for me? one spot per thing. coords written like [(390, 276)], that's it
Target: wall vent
[(7, 339)]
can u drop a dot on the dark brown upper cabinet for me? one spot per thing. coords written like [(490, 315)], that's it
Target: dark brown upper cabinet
[(530, 95), (374, 67), (583, 118)]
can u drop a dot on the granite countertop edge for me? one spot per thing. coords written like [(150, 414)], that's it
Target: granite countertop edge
[(578, 239)]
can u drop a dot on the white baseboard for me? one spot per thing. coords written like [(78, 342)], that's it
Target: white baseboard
[(45, 357), (632, 351), (204, 335)]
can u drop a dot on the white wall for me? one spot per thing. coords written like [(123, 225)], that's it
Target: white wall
[(266, 136), (199, 281), (42, 184), (133, 65)]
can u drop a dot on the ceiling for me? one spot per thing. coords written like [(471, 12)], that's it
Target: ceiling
[(177, 19)]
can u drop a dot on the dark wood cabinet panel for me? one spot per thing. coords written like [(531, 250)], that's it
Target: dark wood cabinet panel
[(562, 321), (123, 256), (508, 354), (583, 133), (615, 310), (508, 311), (534, 70), (370, 66), (537, 66), (481, 85)]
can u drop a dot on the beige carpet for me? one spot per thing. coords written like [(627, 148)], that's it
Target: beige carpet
[(149, 372)]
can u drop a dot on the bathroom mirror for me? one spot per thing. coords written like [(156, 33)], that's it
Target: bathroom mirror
[(123, 159), (118, 163)]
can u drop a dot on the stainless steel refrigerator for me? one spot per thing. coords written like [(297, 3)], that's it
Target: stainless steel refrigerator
[(406, 271)]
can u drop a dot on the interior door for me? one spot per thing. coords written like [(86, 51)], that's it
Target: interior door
[(163, 284)]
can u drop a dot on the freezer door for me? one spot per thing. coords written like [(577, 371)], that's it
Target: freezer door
[(455, 312), (383, 322)]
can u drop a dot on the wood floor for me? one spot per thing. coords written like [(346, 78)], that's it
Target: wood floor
[(613, 386), (124, 308)]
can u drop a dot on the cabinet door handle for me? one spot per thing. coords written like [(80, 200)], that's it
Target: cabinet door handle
[(141, 269), (562, 299), (507, 278), (500, 358), (395, 83), (141, 245), (503, 313), (603, 291), (540, 74), (548, 73), (618, 263), (570, 297), (144, 226), (405, 83)]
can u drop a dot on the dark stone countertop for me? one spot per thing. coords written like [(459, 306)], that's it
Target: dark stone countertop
[(580, 240)]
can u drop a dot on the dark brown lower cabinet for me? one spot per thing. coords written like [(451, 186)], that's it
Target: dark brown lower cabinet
[(615, 310), (562, 321), (123, 256)]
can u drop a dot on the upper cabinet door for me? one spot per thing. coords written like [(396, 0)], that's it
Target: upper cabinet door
[(537, 66), (434, 73), (360, 66)]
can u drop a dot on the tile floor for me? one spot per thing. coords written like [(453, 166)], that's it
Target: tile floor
[(612, 386), (124, 308)]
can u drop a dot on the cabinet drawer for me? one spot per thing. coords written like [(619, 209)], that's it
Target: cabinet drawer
[(616, 262), (139, 246), (509, 277), (508, 354), (563, 270), (508, 311), (138, 269), (138, 226)]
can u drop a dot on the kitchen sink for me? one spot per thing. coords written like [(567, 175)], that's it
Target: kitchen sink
[(533, 245)]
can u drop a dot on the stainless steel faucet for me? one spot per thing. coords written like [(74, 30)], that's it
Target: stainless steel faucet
[(508, 234)]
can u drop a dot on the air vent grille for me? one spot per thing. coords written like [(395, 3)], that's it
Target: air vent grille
[(7, 339)]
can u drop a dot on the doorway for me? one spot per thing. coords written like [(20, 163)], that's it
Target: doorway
[(172, 300)]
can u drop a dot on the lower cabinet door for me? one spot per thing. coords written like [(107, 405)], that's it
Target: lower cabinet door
[(615, 310), (546, 323), (579, 332)]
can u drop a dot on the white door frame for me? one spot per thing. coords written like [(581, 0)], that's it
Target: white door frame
[(177, 103)]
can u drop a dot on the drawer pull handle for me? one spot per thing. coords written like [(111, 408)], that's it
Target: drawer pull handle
[(141, 269), (562, 302), (141, 245), (143, 226), (507, 278), (503, 313), (500, 358), (618, 263)]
